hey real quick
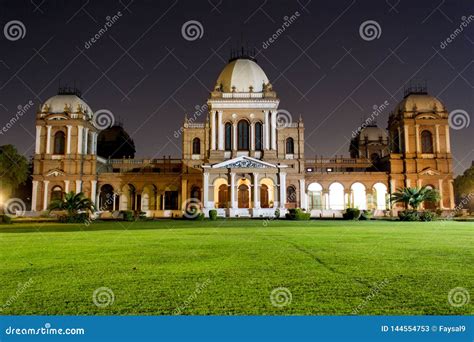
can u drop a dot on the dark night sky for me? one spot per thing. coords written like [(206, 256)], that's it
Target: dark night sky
[(148, 75)]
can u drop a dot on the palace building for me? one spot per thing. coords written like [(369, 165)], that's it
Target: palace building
[(246, 160)]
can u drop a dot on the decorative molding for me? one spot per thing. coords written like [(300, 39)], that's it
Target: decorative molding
[(429, 172), (55, 173), (243, 162)]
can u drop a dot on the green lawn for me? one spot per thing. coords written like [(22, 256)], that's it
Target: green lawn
[(231, 267)]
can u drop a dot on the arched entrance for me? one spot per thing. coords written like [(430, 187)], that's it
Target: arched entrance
[(106, 198), (243, 196), (264, 196)]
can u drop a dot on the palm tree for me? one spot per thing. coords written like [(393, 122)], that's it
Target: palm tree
[(413, 197), (72, 203)]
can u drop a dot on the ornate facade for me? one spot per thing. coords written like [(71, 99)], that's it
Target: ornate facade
[(247, 158)]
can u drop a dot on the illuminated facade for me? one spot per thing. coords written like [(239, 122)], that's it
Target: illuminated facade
[(246, 159)]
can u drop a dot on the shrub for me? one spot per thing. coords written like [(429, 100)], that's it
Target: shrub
[(409, 215), (213, 214), (192, 213), (351, 214), (77, 218), (427, 216), (5, 219), (200, 217), (127, 215), (298, 215), (277, 213), (366, 215)]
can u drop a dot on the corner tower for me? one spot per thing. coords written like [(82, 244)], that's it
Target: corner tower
[(420, 146), (65, 149)]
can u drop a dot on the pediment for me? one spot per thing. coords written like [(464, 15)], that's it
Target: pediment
[(55, 173), (243, 162), (429, 172)]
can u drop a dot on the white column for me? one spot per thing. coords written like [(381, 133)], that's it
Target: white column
[(303, 203), (405, 133), (392, 186), (274, 130), (437, 149), (448, 142), (252, 136), (213, 130), (45, 194), (78, 186), (48, 139), (94, 191), (66, 186), (282, 189), (79, 139), (206, 189), (408, 181), (38, 140), (34, 196), (417, 128), (440, 189), (94, 143), (232, 190), (86, 140), (234, 136), (220, 130), (256, 201), (451, 195), (266, 131), (68, 142), (326, 200)]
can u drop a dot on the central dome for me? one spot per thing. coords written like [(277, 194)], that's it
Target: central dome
[(242, 74), (66, 102)]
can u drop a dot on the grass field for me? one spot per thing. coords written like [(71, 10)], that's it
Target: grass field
[(232, 266)]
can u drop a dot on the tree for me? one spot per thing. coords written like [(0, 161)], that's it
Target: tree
[(413, 197), (13, 168), (464, 188), (73, 204)]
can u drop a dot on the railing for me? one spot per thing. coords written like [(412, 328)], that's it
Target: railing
[(242, 95), (196, 125)]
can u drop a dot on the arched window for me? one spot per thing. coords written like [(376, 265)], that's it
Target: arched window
[(243, 135), (291, 194), (290, 146), (59, 142), (56, 193), (264, 200), (196, 146), (258, 137), (426, 142), (228, 136), (223, 196)]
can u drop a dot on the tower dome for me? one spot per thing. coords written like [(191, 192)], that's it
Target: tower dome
[(66, 101), (373, 133), (242, 74), (421, 103)]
